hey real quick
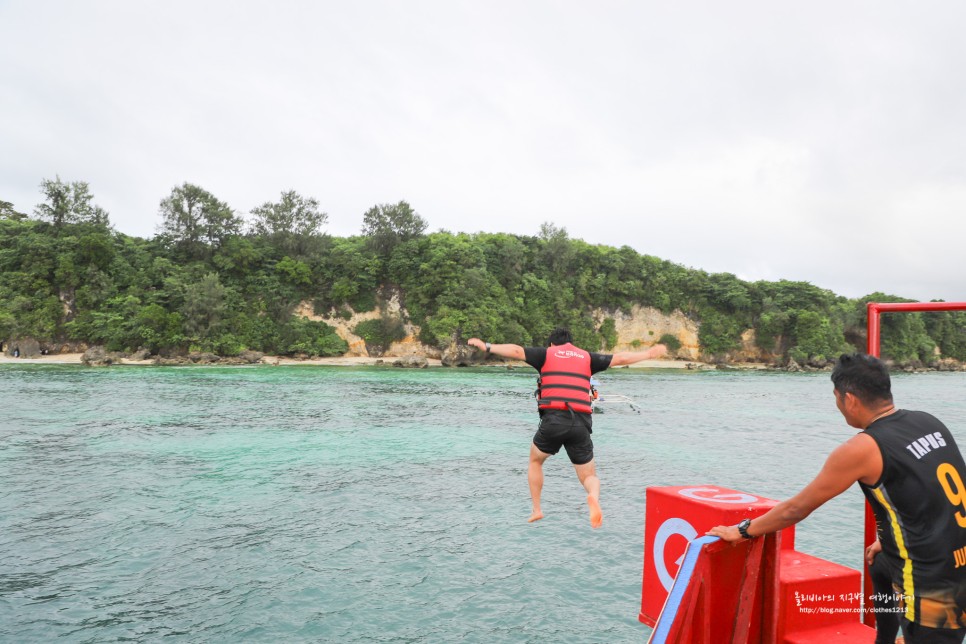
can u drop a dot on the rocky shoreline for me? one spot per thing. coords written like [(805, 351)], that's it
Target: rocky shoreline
[(98, 356)]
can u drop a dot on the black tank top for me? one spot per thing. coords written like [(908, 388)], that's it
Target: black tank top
[(920, 505)]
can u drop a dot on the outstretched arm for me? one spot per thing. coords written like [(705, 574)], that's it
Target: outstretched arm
[(514, 351), (630, 357), (856, 459)]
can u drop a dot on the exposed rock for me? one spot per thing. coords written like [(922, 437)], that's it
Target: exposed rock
[(644, 326), (251, 357), (204, 358), (820, 363), (141, 354), (460, 355), (172, 362), (792, 365), (23, 347), (411, 346), (344, 320), (947, 364), (98, 356), (411, 362)]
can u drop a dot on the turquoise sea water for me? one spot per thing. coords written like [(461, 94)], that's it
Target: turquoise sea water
[(367, 504)]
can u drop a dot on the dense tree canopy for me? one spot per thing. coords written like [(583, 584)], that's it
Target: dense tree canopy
[(204, 284)]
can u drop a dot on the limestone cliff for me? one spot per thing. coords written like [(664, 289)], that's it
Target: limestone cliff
[(637, 329), (408, 346), (644, 326)]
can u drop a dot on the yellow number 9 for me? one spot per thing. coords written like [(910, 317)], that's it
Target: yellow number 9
[(955, 490)]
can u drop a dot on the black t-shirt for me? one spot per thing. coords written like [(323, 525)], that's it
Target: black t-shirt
[(920, 508)]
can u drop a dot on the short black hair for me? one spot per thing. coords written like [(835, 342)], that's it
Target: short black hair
[(863, 376), (560, 335)]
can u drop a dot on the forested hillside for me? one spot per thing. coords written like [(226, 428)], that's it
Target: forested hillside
[(213, 281)]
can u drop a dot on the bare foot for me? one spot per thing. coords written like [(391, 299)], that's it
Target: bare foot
[(536, 516), (596, 516)]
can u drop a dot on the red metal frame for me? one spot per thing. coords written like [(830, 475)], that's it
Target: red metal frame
[(875, 310)]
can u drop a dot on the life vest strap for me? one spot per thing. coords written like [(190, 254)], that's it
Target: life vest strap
[(574, 387), (568, 374), (563, 399)]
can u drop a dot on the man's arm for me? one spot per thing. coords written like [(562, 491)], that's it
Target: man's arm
[(630, 357), (851, 461), (514, 351)]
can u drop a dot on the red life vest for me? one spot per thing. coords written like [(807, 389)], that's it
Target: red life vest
[(565, 379)]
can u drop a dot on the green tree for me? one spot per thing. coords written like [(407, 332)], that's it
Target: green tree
[(158, 329), (195, 222), (718, 333), (948, 329), (7, 212), (293, 225), (387, 225), (349, 274), (310, 337), (238, 256), (294, 272), (556, 250), (204, 306), (69, 203), (815, 337), (380, 333), (904, 337), (608, 334)]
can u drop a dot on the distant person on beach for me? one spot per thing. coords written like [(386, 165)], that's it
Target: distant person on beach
[(912, 474), (563, 402)]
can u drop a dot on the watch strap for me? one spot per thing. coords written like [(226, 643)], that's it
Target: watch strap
[(743, 528)]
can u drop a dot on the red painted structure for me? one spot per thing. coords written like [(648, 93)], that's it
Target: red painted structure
[(755, 591), (873, 327), (675, 516)]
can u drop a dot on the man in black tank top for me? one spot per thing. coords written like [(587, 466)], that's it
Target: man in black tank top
[(911, 471)]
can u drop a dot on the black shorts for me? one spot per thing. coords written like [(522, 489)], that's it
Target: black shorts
[(573, 432)]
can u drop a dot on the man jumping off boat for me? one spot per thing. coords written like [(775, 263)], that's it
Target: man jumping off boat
[(911, 472), (563, 402)]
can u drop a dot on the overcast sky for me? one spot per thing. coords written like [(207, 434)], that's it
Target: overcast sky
[(820, 141)]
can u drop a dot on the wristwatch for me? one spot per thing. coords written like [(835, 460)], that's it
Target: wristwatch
[(488, 345), (743, 528)]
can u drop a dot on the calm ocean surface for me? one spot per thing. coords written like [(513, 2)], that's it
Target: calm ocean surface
[(344, 504)]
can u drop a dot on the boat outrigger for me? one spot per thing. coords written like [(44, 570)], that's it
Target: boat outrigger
[(599, 402)]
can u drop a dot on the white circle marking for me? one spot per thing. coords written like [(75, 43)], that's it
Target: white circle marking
[(672, 526), (714, 494)]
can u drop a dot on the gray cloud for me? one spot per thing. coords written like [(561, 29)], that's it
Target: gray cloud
[(818, 142)]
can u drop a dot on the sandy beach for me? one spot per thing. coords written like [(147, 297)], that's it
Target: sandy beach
[(340, 361)]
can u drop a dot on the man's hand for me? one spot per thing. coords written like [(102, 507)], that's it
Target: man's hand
[(870, 552), (476, 342), (726, 532)]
